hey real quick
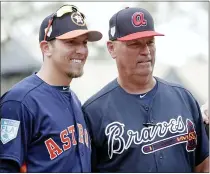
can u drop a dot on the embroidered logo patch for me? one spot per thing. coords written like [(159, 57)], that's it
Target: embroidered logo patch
[(9, 129), (138, 19), (78, 19), (112, 31)]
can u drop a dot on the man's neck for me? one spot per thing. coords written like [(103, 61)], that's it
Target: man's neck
[(137, 85), (53, 77)]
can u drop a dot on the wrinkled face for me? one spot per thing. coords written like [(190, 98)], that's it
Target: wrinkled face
[(136, 57), (69, 56)]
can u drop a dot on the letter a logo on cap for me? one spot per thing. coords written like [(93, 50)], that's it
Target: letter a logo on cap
[(138, 19)]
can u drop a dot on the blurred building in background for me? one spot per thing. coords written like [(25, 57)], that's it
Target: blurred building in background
[(182, 55), (16, 63)]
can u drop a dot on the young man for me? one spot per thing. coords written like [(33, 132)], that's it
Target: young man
[(138, 122), (42, 124)]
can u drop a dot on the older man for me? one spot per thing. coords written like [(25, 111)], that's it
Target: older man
[(138, 122)]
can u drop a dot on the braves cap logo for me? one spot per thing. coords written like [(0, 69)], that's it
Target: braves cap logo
[(77, 19), (138, 19)]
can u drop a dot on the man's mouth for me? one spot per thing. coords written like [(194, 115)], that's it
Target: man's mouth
[(144, 61), (76, 60)]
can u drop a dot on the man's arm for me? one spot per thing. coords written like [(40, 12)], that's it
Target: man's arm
[(205, 112), (205, 116), (9, 166), (202, 150), (203, 167), (14, 135), (93, 147)]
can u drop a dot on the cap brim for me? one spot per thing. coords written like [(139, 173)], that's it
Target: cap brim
[(139, 35), (92, 35)]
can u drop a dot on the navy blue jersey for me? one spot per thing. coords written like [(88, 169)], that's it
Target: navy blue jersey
[(43, 128), (160, 131)]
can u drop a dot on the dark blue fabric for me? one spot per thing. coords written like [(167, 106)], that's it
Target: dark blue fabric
[(46, 114), (9, 166), (122, 143)]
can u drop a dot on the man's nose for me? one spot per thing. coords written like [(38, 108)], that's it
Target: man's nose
[(145, 50), (82, 49)]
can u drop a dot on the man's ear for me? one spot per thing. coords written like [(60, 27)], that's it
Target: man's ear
[(111, 48), (44, 45)]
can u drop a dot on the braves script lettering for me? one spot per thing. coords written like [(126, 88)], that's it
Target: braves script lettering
[(117, 143)]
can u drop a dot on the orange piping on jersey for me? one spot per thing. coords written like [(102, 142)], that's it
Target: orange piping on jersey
[(23, 169)]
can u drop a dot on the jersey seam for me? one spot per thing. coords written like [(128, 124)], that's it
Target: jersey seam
[(32, 90), (24, 95), (174, 86), (184, 89), (20, 103)]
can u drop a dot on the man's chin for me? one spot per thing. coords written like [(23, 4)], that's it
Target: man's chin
[(75, 74)]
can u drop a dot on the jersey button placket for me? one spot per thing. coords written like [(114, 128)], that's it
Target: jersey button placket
[(146, 108)]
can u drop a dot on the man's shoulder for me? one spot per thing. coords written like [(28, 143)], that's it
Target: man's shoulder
[(177, 88), (21, 89), (101, 93), (171, 84), (168, 83)]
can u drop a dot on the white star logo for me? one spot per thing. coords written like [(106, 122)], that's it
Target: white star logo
[(77, 19)]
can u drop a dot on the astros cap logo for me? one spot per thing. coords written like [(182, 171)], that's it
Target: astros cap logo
[(77, 19)]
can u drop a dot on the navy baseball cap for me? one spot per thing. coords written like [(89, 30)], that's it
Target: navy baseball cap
[(66, 23), (130, 24)]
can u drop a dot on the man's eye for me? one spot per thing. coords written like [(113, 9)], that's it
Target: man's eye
[(132, 44), (69, 42), (150, 42)]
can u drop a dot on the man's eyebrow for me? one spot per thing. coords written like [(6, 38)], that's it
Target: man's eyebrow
[(133, 42), (68, 40)]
